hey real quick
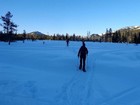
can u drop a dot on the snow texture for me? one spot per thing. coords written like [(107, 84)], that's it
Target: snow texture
[(34, 73)]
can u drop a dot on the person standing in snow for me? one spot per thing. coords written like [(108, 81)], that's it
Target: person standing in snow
[(82, 53), (67, 41)]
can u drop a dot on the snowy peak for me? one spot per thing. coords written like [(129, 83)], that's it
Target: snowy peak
[(131, 28)]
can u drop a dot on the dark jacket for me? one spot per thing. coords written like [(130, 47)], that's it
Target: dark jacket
[(83, 51)]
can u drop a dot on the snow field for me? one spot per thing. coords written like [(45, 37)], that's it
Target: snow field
[(37, 74)]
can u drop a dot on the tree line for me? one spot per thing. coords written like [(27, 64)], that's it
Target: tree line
[(122, 36), (9, 34)]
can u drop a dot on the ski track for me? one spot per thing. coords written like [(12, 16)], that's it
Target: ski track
[(83, 82), (78, 90)]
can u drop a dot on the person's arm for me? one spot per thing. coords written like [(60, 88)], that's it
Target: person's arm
[(79, 52)]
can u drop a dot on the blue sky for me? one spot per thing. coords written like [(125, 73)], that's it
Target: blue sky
[(71, 16)]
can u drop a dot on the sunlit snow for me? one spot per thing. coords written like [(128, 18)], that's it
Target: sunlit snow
[(33, 73)]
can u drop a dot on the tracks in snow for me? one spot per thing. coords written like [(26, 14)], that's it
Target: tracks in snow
[(78, 90)]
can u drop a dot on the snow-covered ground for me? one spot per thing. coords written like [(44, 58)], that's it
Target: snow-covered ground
[(34, 73)]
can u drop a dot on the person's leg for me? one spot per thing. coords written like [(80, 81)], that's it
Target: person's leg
[(80, 67), (84, 60)]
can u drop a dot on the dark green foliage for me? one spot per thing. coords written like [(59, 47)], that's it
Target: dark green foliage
[(127, 35), (9, 28), (24, 35), (139, 38)]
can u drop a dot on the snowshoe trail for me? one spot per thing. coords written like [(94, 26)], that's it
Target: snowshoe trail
[(78, 90)]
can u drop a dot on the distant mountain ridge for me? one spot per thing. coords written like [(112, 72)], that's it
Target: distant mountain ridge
[(130, 28), (36, 33)]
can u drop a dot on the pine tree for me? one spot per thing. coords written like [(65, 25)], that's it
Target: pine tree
[(106, 35), (135, 39), (119, 37), (74, 38), (24, 35), (139, 38), (115, 37), (8, 26)]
